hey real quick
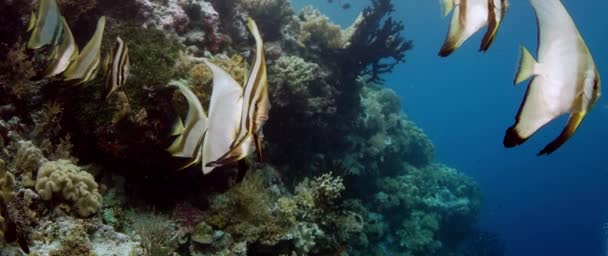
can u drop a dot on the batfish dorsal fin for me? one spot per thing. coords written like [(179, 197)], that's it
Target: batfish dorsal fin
[(224, 115)]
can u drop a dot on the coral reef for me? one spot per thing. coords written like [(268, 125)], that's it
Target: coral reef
[(345, 172)]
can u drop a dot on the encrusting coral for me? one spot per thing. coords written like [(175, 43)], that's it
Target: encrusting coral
[(71, 183)]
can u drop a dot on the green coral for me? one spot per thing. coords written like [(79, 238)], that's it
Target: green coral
[(68, 180)]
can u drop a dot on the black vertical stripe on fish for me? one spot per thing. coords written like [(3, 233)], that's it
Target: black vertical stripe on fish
[(117, 72)]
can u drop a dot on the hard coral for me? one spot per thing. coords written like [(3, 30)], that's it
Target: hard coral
[(376, 38), (68, 180), (15, 73), (271, 15), (292, 83), (317, 30), (245, 211)]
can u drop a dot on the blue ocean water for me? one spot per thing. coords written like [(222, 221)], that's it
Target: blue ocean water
[(550, 205)]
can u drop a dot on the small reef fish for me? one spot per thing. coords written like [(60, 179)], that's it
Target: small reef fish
[(46, 25), (86, 66), (255, 108), (189, 140), (65, 54), (469, 16), (564, 80), (117, 68)]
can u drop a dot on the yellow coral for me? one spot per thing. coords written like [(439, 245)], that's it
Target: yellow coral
[(73, 184)]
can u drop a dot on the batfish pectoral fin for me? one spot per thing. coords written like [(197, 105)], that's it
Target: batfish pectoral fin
[(447, 6), (455, 36), (527, 65), (574, 122)]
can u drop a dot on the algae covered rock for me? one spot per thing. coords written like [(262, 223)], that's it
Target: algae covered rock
[(71, 183)]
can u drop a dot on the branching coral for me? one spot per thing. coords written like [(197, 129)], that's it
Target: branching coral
[(376, 38), (321, 192), (64, 178)]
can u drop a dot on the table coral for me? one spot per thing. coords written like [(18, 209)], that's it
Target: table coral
[(68, 180)]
